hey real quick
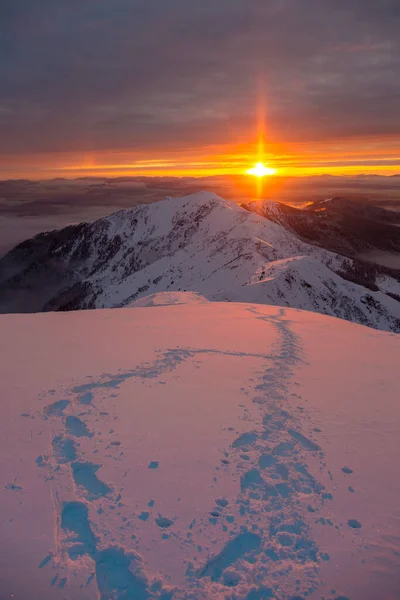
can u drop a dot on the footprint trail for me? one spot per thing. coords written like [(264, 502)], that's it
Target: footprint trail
[(266, 527)]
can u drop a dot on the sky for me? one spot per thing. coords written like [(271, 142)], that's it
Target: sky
[(183, 87)]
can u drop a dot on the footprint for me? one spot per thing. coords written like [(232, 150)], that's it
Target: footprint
[(75, 520), (283, 449), (231, 578), (272, 555), (242, 546), (266, 460), (222, 502), (244, 440), (57, 408), (77, 427), (284, 490), (120, 576), (85, 476), (282, 471), (86, 398), (305, 483), (285, 539), (354, 524), (64, 449), (163, 522), (305, 442), (251, 479)]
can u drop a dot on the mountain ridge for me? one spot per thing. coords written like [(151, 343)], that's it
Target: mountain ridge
[(200, 243), (344, 226)]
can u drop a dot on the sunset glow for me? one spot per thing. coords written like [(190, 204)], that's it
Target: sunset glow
[(260, 170), (321, 106), (375, 156)]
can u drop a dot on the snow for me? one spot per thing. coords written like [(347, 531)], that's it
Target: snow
[(206, 245), (268, 207), (168, 298), (305, 282), (198, 450), (388, 284)]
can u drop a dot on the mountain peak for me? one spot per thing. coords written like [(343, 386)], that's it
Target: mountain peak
[(202, 244)]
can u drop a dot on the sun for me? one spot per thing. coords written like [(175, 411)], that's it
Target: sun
[(261, 170)]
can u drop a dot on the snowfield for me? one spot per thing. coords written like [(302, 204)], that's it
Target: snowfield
[(188, 449)]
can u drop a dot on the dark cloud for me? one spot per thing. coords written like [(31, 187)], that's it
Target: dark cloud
[(95, 74)]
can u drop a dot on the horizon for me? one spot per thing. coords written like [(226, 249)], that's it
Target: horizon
[(244, 176), (212, 168)]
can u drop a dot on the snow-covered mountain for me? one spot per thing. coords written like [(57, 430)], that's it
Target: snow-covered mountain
[(344, 226), (357, 208), (201, 451), (199, 243)]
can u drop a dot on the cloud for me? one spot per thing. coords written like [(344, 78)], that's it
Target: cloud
[(152, 74)]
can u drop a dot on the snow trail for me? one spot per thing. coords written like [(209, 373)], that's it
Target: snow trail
[(197, 452), (267, 528), (278, 484)]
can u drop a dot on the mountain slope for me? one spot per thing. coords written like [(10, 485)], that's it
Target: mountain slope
[(357, 208), (237, 452), (305, 282), (200, 243), (348, 227)]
